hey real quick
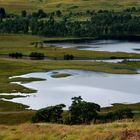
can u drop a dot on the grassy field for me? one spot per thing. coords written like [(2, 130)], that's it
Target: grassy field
[(125, 130), (23, 44), (66, 5), (14, 67), (10, 106), (26, 80), (14, 113)]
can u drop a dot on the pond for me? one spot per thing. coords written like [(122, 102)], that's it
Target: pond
[(101, 88), (103, 45)]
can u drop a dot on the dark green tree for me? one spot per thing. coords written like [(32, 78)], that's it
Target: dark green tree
[(2, 13), (23, 13), (82, 111), (50, 114)]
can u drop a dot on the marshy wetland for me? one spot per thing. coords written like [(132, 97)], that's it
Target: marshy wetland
[(41, 83), (103, 45), (69, 70), (104, 89)]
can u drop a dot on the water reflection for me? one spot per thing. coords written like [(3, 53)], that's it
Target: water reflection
[(103, 45), (100, 88)]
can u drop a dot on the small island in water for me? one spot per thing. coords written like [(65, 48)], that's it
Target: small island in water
[(69, 70)]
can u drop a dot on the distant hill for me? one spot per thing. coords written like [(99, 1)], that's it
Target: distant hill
[(67, 5)]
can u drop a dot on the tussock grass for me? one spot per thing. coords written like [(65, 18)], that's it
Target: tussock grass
[(110, 131)]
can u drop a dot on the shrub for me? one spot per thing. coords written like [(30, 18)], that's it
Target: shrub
[(15, 55), (68, 57), (123, 114), (36, 55), (113, 57), (49, 114)]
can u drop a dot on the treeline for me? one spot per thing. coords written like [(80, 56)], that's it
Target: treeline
[(37, 56), (80, 112), (102, 23)]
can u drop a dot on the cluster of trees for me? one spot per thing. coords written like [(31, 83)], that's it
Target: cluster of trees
[(37, 56), (119, 114), (32, 55), (80, 112), (16, 55), (101, 23)]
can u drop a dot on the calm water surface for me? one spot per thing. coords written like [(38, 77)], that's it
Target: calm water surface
[(100, 88), (104, 45)]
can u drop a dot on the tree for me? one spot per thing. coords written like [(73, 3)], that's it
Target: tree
[(123, 113), (58, 13), (82, 111), (41, 13), (23, 13), (16, 55), (49, 114)]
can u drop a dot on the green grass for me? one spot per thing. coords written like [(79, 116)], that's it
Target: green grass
[(10, 106), (10, 96), (16, 118), (25, 80), (14, 67), (23, 44), (60, 75), (66, 5), (118, 106), (14, 113)]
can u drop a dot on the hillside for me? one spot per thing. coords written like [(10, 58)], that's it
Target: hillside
[(110, 131), (66, 5)]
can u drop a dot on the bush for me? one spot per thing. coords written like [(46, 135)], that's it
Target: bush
[(15, 55), (68, 57), (123, 114), (36, 55), (119, 114), (49, 114), (113, 57)]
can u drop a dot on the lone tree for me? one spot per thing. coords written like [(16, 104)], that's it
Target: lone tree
[(82, 111)]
